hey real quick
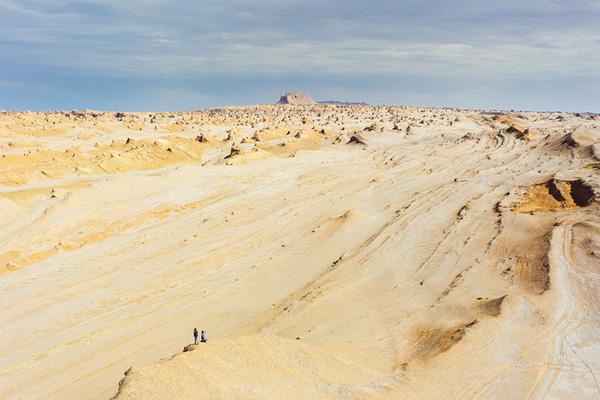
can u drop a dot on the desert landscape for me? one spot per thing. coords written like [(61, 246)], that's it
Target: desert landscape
[(330, 251)]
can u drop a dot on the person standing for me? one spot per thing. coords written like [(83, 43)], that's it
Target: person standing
[(196, 335)]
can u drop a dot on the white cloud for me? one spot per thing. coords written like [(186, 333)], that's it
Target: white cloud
[(154, 39)]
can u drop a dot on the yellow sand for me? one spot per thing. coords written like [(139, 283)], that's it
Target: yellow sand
[(429, 263)]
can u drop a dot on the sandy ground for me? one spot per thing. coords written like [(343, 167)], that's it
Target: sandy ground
[(441, 254)]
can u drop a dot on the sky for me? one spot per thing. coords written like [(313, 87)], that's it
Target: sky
[(151, 55)]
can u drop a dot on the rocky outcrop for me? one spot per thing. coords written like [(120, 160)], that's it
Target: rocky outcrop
[(357, 139), (296, 98)]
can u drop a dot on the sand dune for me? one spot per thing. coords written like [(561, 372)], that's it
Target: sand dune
[(329, 251), (253, 367)]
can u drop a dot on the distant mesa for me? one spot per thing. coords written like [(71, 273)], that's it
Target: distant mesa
[(304, 99), (296, 98), (343, 103)]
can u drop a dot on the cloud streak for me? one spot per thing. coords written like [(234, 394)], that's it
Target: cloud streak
[(358, 41)]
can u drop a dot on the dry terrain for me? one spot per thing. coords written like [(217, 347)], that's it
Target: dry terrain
[(330, 252)]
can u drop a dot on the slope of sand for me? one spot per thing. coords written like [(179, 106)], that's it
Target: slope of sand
[(439, 254), (253, 366)]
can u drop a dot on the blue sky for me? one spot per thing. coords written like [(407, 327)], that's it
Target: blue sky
[(185, 55)]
